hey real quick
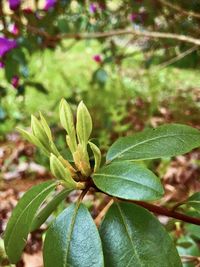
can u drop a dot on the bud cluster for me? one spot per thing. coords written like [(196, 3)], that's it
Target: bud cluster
[(73, 175)]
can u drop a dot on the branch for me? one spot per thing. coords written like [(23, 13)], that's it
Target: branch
[(121, 32), (180, 9), (164, 211), (100, 35)]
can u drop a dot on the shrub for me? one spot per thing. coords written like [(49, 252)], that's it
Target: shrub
[(129, 234)]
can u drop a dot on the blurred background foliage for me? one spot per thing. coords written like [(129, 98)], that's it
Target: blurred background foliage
[(135, 63)]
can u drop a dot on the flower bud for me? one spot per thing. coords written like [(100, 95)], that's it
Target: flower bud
[(97, 156), (60, 172), (83, 124), (81, 160), (67, 121)]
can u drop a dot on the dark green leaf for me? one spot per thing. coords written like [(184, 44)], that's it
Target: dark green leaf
[(20, 222), (128, 180), (42, 216), (164, 141), (131, 236), (73, 240), (194, 201)]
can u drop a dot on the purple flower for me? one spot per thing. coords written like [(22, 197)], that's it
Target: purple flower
[(14, 4), (93, 8), (2, 64), (6, 45), (49, 4), (15, 81), (97, 58)]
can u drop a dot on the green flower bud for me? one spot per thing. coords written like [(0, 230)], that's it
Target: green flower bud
[(81, 160), (60, 172), (83, 124), (67, 121), (97, 156)]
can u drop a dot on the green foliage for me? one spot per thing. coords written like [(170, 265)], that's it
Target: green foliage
[(136, 238), (76, 241), (129, 234), (175, 139), (129, 181), (20, 222)]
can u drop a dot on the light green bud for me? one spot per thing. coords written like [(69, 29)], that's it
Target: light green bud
[(83, 124)]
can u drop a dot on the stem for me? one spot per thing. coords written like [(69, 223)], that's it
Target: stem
[(164, 211), (103, 212), (83, 193)]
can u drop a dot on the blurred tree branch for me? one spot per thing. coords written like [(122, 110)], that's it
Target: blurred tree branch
[(180, 9), (100, 35)]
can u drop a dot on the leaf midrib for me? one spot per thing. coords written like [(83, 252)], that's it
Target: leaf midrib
[(70, 232), (124, 178), (129, 234), (146, 141), (46, 189)]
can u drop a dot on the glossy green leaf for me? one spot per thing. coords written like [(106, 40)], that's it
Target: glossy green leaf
[(73, 240), (164, 141), (46, 211), (131, 236), (20, 222), (128, 180), (194, 201)]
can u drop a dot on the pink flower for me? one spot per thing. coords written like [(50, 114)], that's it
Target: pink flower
[(14, 4), (6, 45), (49, 4), (14, 29), (97, 58), (15, 81)]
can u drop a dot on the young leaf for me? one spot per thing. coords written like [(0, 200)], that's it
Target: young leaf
[(164, 141), (32, 139), (20, 222), (83, 124), (73, 240), (97, 156), (46, 127), (128, 180), (67, 121), (131, 236), (45, 212), (194, 201), (60, 172), (39, 132)]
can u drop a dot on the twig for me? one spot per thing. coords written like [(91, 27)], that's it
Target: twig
[(180, 9), (121, 32), (164, 211), (177, 58), (103, 212)]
